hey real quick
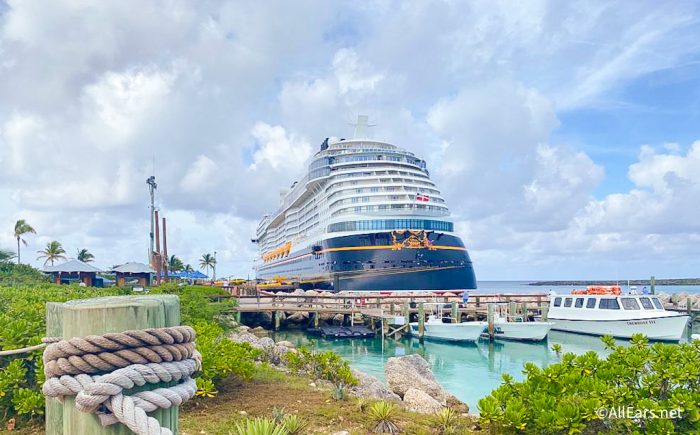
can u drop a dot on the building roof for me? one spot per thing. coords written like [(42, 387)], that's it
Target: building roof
[(73, 266), (133, 267)]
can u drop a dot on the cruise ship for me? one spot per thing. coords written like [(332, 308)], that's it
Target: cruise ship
[(365, 217)]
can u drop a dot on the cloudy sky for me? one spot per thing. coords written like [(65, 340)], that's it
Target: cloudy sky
[(565, 135)]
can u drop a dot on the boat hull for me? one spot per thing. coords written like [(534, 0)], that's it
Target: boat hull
[(667, 328), (371, 262), (522, 331), (467, 331)]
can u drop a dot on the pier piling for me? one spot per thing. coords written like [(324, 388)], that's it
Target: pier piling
[(421, 320), (455, 313), (490, 313)]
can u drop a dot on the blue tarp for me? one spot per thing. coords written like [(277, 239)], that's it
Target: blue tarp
[(188, 275)]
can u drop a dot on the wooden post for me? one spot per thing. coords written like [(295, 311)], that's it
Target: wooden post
[(652, 284), (455, 313), (315, 319), (545, 311), (276, 315), (512, 311), (406, 313), (524, 311), (83, 317), (238, 317), (689, 306), (421, 320), (54, 408), (391, 308), (490, 312)]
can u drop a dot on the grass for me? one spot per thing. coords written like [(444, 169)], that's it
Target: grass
[(270, 388)]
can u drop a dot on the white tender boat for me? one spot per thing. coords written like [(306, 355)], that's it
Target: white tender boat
[(521, 331), (436, 329), (607, 312)]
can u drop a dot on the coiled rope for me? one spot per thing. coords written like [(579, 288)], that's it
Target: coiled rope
[(77, 367)]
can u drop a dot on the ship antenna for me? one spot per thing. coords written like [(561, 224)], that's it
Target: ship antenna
[(361, 127)]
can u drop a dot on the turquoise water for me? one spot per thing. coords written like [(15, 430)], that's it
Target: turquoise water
[(469, 371)]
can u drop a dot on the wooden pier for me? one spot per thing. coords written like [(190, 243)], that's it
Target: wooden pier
[(393, 312)]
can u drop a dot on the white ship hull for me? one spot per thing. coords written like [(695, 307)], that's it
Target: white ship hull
[(467, 331), (667, 328), (522, 331)]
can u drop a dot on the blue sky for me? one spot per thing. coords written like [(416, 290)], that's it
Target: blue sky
[(563, 135)]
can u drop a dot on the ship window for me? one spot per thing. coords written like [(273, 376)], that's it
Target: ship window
[(657, 304), (630, 304), (579, 303), (557, 302), (609, 304), (567, 302), (590, 303), (646, 303)]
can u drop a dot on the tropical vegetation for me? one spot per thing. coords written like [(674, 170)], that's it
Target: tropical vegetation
[(22, 228), (639, 388), (207, 262), (6, 255), (84, 255), (52, 252), (175, 264)]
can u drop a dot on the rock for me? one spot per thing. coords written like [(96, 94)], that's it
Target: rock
[(298, 292), (243, 328), (338, 319), (311, 293), (298, 317), (245, 337), (419, 401), (312, 385), (342, 432), (242, 412), (412, 371), (372, 388), (286, 344), (454, 403), (267, 342)]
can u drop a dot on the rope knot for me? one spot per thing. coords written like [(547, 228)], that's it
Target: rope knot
[(98, 368)]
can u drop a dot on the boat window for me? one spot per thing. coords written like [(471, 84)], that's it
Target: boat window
[(591, 303), (657, 304), (579, 303), (567, 302), (609, 304), (646, 303), (557, 302), (630, 304)]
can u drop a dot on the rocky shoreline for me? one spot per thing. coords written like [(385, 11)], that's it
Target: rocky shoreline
[(409, 379)]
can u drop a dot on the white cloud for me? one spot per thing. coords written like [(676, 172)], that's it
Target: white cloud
[(230, 100), (277, 149)]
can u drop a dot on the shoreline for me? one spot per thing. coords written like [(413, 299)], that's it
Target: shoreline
[(646, 282)]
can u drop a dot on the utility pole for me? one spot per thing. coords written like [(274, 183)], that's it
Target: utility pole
[(151, 182), (214, 278)]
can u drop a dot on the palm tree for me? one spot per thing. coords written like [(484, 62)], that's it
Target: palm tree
[(22, 228), (85, 256), (207, 261), (53, 251), (175, 264), (188, 268), (6, 255)]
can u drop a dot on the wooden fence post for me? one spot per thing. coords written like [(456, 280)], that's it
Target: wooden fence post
[(490, 313), (83, 317), (421, 320)]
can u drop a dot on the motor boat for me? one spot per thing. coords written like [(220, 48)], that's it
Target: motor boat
[(435, 327), (604, 310)]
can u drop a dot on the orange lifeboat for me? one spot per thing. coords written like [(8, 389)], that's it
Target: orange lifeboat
[(598, 290)]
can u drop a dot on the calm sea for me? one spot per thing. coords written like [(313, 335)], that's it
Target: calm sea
[(469, 371), (524, 287)]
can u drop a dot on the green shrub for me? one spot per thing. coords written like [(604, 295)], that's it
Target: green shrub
[(577, 394), (259, 426), (294, 425), (326, 365), (382, 413), (446, 421), (339, 392)]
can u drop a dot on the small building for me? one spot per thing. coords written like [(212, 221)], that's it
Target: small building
[(142, 273), (72, 271)]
